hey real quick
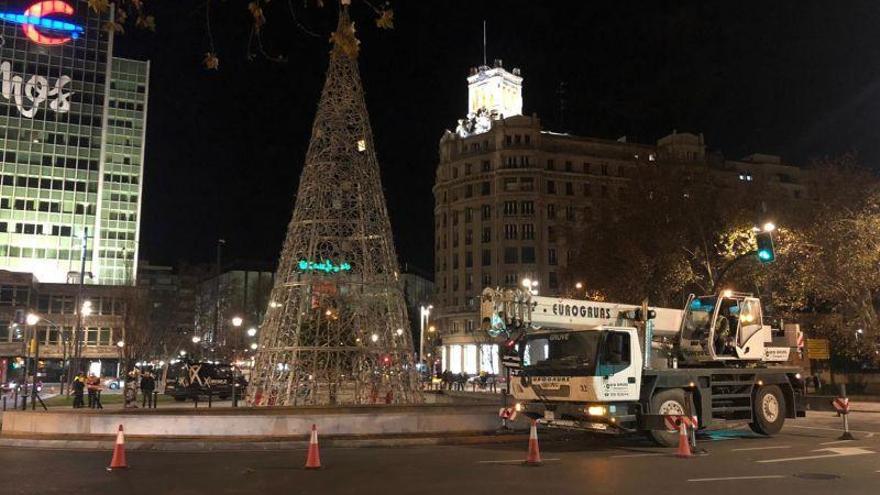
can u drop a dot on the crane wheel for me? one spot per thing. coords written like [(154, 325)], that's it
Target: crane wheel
[(668, 402), (768, 410)]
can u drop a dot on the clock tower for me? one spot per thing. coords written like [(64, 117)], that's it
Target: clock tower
[(495, 90)]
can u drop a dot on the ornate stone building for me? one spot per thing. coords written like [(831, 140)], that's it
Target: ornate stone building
[(506, 188)]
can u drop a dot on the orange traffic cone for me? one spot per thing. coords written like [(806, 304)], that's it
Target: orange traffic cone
[(684, 446), (534, 457), (118, 460), (313, 461)]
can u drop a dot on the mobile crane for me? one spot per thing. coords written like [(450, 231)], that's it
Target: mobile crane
[(618, 368)]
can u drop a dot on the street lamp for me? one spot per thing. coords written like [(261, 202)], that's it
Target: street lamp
[(120, 344), (251, 331), (32, 319), (531, 286), (196, 339), (237, 321), (254, 346), (769, 227), (578, 286), (425, 315), (33, 348)]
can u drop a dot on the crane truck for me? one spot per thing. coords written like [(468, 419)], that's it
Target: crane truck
[(617, 368)]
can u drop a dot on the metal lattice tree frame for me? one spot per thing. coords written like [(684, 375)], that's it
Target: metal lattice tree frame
[(336, 330)]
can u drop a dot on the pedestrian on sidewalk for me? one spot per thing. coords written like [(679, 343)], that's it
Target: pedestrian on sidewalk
[(93, 385), (148, 384), (79, 385)]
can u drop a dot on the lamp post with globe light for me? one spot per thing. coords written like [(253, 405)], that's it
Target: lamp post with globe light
[(424, 316), (120, 345), (32, 319), (33, 348), (530, 285), (83, 309), (238, 321)]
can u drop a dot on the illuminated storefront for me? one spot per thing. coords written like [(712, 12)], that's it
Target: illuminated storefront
[(71, 144), (472, 359)]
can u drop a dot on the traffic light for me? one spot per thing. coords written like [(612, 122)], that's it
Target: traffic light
[(510, 344), (766, 254)]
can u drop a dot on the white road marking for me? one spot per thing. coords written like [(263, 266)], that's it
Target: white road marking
[(836, 441), (736, 478), (829, 429), (836, 452), (637, 455), (762, 448), (520, 461)]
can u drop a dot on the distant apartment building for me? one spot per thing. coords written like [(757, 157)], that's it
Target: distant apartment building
[(418, 292), (242, 291), (102, 328), (506, 189)]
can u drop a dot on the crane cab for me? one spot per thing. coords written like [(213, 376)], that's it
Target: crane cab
[(726, 327)]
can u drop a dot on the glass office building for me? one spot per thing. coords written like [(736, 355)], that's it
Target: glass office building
[(72, 122)]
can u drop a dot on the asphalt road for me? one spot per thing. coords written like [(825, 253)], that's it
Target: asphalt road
[(805, 458)]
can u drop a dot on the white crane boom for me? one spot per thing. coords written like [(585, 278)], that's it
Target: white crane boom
[(574, 314), (577, 314)]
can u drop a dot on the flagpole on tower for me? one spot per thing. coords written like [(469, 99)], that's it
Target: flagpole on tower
[(484, 42)]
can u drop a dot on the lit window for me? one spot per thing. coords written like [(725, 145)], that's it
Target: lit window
[(362, 145)]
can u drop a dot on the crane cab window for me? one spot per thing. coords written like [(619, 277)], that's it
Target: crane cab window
[(727, 326), (615, 353), (750, 319), (573, 353)]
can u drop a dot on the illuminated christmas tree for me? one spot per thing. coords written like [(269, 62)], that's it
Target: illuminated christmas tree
[(336, 330)]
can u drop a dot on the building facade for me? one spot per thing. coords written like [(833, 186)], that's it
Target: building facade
[(102, 328), (418, 292), (72, 123), (506, 189), (241, 291)]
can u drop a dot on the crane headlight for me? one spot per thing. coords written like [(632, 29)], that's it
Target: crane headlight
[(597, 411)]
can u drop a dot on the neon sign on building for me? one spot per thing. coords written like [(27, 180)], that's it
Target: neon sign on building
[(43, 22)]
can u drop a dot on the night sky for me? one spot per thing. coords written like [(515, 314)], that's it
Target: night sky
[(225, 149)]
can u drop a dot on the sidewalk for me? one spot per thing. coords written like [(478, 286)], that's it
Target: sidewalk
[(866, 407)]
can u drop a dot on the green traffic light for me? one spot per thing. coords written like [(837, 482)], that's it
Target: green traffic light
[(766, 253)]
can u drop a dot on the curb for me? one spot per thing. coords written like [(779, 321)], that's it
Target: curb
[(171, 445)]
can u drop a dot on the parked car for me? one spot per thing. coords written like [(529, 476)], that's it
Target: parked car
[(112, 383)]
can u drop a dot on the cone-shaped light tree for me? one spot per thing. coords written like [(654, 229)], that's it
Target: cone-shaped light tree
[(336, 330)]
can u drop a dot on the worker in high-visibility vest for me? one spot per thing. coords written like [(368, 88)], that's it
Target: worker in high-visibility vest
[(79, 387)]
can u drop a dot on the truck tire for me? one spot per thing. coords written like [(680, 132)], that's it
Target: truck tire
[(769, 410), (672, 402)]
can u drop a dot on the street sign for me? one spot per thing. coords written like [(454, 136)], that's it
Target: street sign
[(673, 421), (842, 405), (508, 413), (513, 362), (818, 349)]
